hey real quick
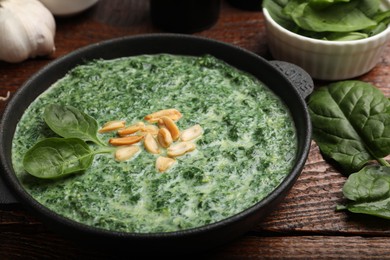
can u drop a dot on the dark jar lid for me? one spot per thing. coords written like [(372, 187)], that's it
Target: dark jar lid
[(184, 16), (252, 5)]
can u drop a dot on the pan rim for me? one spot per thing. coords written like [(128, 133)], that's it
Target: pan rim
[(12, 181)]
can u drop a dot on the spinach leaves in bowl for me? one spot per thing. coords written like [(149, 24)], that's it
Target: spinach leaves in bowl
[(334, 20)]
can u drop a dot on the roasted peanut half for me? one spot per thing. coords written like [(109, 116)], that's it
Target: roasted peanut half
[(171, 126), (180, 149), (164, 137), (151, 144), (127, 140), (164, 163), (131, 129), (126, 152), (191, 133), (112, 126), (152, 129), (172, 113)]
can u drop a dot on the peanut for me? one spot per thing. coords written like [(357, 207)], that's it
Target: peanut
[(171, 126), (191, 133), (164, 137), (180, 149), (172, 113), (131, 129), (126, 152), (164, 163), (112, 125), (151, 144), (132, 139)]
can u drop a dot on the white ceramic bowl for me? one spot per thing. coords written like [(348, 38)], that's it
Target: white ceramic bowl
[(326, 60), (67, 7)]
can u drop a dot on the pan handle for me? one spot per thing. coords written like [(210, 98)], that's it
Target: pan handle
[(5, 195), (299, 78)]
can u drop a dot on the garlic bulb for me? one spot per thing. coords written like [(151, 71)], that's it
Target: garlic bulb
[(27, 30)]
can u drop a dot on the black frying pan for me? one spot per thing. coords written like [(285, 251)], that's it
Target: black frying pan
[(289, 82)]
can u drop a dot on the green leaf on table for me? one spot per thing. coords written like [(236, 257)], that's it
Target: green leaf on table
[(368, 191), (69, 122), (351, 123), (57, 157), (388, 108)]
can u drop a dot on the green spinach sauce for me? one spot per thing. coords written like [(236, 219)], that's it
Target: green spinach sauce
[(248, 145)]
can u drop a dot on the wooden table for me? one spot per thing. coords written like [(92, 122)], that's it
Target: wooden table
[(304, 225)]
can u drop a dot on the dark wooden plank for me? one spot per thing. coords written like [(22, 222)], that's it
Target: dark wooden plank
[(16, 245), (304, 225), (307, 247)]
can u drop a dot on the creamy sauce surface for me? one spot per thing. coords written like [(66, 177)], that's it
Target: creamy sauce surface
[(247, 148)]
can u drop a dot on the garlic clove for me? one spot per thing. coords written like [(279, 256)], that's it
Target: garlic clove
[(29, 28), (14, 47), (40, 26)]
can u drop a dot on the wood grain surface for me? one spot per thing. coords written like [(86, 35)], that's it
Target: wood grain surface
[(304, 226)]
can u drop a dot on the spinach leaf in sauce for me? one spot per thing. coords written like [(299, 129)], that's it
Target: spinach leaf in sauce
[(70, 122), (58, 157)]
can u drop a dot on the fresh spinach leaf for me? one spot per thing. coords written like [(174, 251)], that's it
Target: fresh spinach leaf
[(57, 157), (375, 29), (69, 122), (348, 36), (382, 17), (343, 17), (351, 123), (388, 108), (281, 2), (291, 5), (369, 7), (319, 4), (368, 192), (335, 20), (278, 14)]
